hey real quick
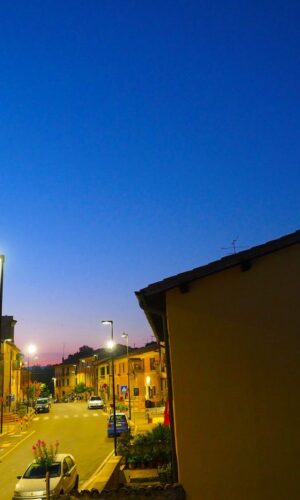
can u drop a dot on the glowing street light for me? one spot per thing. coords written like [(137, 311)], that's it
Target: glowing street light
[(31, 350), (111, 346)]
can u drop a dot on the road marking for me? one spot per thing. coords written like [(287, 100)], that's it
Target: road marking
[(85, 415), (75, 416), (16, 445), (95, 414), (66, 416), (46, 418), (5, 445), (56, 417), (36, 419)]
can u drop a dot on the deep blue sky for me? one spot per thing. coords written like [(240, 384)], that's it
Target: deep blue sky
[(138, 139)]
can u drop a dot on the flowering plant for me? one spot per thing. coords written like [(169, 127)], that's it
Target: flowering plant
[(44, 456)]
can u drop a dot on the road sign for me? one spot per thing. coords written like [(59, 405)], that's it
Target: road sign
[(123, 389)]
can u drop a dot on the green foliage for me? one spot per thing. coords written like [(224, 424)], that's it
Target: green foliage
[(80, 388), (121, 407), (149, 448), (21, 409), (31, 391), (45, 392), (165, 473), (124, 445)]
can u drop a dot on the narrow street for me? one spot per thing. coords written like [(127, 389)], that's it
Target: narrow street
[(79, 431)]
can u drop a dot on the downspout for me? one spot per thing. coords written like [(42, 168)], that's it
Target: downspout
[(170, 390)]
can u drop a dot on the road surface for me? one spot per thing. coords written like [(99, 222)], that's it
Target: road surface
[(79, 431)]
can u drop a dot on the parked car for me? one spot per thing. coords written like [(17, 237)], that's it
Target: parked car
[(63, 479), (95, 402), (42, 405), (122, 424)]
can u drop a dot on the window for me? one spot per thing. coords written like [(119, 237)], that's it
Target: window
[(107, 370), (102, 371), (68, 381), (119, 418), (136, 391), (152, 364), (36, 471)]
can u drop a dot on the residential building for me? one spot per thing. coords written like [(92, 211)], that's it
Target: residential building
[(231, 332), (65, 379), (144, 370), (147, 377), (10, 365)]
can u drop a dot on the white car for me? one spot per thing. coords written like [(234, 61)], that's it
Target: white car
[(95, 402), (63, 479)]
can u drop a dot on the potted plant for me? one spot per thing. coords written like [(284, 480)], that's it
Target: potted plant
[(165, 473), (131, 462), (45, 457), (124, 446), (148, 459)]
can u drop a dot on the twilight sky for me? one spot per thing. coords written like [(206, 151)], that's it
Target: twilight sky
[(137, 139)]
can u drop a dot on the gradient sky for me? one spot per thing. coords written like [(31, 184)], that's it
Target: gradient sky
[(137, 140)]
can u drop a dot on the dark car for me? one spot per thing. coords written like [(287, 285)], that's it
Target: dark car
[(42, 405)]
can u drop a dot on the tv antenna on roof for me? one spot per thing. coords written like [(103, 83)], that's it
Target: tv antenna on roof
[(233, 246)]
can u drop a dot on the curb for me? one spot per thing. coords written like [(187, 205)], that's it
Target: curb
[(92, 478)]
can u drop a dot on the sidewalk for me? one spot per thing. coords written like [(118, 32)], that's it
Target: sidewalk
[(141, 422), (9, 427)]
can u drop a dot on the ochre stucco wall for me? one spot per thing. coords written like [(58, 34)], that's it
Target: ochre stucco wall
[(235, 355)]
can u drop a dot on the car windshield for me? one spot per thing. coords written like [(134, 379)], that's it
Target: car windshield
[(41, 401), (119, 418), (95, 398), (36, 471)]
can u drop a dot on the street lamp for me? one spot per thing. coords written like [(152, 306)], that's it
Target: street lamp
[(2, 259), (125, 336), (110, 346), (31, 349)]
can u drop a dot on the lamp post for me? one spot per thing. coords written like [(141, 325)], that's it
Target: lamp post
[(31, 349), (125, 336), (2, 259), (54, 388), (110, 345)]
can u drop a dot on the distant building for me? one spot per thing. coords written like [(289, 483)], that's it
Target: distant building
[(145, 366), (231, 332)]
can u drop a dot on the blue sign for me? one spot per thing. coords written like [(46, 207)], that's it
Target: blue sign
[(123, 389)]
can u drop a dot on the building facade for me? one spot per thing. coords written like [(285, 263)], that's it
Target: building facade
[(231, 330), (139, 376), (10, 366)]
